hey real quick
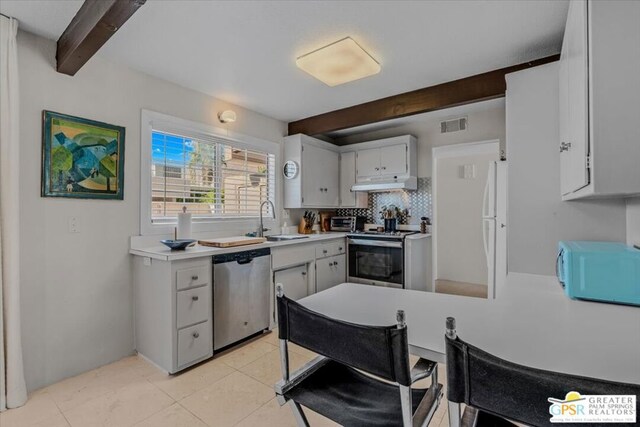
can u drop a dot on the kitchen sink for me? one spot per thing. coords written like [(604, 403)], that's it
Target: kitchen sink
[(281, 237)]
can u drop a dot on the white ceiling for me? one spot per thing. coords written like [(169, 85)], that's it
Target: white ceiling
[(244, 52)]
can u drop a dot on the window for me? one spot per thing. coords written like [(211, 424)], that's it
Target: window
[(216, 177)]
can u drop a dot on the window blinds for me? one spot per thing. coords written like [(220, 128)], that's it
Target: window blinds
[(211, 176)]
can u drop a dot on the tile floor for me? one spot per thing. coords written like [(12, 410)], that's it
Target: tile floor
[(461, 288), (233, 389)]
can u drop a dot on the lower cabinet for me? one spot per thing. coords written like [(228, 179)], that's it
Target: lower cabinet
[(194, 343), (330, 272), (306, 268), (173, 311), (294, 280)]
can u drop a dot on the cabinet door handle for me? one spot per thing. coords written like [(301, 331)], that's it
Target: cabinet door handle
[(324, 251), (304, 273), (565, 146), (195, 298), (377, 169), (340, 248), (384, 168), (194, 277), (196, 334)]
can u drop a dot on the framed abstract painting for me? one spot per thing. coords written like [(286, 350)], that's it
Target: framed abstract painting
[(81, 158)]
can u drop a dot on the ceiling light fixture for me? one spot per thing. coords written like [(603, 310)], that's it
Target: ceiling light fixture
[(227, 116), (339, 62)]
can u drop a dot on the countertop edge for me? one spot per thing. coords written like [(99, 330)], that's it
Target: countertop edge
[(165, 254)]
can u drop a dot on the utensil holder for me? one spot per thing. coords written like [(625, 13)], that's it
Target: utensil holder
[(305, 227), (390, 225)]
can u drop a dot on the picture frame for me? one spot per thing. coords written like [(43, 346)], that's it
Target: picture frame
[(81, 158)]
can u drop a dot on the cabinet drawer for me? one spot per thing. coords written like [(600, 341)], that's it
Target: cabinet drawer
[(331, 249), (288, 256), (194, 343), (192, 277), (193, 306)]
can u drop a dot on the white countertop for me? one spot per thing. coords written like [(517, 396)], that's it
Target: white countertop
[(164, 253), (531, 322)]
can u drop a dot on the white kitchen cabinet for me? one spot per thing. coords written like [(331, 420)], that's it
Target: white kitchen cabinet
[(375, 163), (295, 281), (368, 163), (317, 183), (599, 98), (173, 313), (295, 267), (330, 272), (393, 160), (348, 197)]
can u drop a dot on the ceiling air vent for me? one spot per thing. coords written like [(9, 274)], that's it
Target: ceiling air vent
[(453, 125)]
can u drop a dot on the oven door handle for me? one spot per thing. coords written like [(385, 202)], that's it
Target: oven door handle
[(380, 243)]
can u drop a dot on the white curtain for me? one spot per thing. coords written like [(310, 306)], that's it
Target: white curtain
[(13, 392)]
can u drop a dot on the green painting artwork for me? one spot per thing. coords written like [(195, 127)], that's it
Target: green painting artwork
[(81, 158)]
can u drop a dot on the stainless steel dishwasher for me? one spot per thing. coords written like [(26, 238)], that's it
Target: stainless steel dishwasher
[(241, 284)]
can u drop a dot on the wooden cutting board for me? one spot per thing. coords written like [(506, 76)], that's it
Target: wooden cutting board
[(228, 242)]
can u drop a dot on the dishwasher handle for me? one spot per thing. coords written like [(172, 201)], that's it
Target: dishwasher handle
[(246, 260)]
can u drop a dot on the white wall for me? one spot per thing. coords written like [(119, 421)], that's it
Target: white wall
[(77, 288), (633, 221), (538, 218), (485, 124), (460, 245)]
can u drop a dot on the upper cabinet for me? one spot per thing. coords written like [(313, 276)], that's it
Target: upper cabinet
[(348, 197), (318, 174), (311, 173), (382, 162), (600, 100)]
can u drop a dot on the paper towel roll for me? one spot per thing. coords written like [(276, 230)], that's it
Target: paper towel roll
[(184, 226)]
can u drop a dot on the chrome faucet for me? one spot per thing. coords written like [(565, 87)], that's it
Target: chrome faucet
[(261, 229)]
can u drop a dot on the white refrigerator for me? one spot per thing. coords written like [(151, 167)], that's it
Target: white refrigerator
[(494, 227)]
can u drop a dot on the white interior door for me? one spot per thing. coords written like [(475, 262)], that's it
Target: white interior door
[(462, 242)]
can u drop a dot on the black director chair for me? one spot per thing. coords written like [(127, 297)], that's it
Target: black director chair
[(496, 391), (362, 376)]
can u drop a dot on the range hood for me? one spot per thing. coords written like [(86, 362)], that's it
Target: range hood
[(405, 183)]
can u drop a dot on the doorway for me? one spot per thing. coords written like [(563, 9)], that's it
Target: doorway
[(465, 193)]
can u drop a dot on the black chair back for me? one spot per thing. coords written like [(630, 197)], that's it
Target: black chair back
[(381, 351), (513, 391)]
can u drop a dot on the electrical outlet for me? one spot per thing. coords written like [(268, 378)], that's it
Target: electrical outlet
[(74, 224)]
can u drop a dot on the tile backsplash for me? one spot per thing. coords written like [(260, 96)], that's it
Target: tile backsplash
[(418, 202)]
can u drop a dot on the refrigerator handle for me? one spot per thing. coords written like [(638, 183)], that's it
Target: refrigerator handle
[(485, 197), (484, 240)]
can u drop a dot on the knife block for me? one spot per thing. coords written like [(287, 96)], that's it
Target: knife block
[(305, 227)]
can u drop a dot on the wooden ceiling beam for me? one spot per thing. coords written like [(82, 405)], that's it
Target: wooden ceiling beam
[(476, 88), (89, 30)]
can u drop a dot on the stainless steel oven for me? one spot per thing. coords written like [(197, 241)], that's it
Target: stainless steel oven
[(376, 260)]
